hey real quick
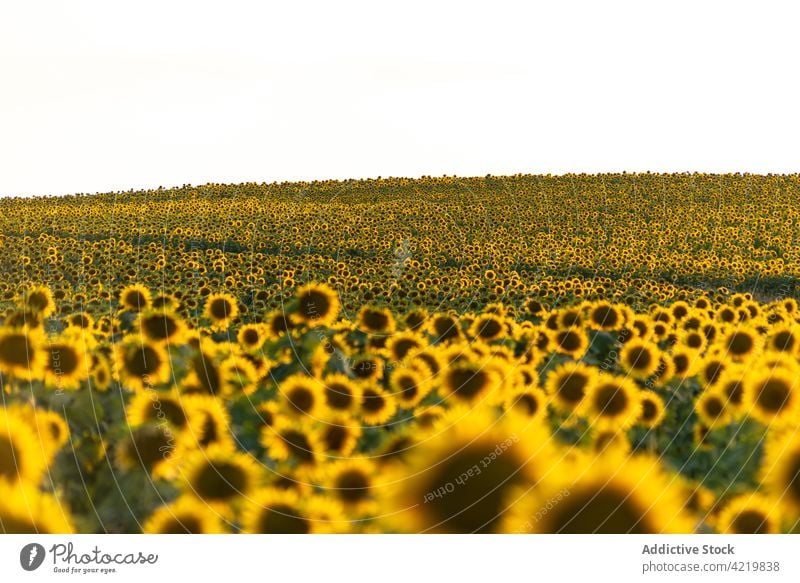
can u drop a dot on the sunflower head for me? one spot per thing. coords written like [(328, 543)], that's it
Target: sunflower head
[(316, 305)]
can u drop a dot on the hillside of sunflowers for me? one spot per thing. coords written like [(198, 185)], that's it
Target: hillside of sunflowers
[(613, 353)]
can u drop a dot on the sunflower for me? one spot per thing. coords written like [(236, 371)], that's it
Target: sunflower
[(780, 470), (749, 514), (653, 409), (610, 442), (52, 430), (741, 343), (639, 358), (374, 320), (785, 338), (771, 396), (21, 457), (352, 483), (408, 386), (568, 385), (712, 410), (187, 515), (426, 416), (685, 362), (604, 316), (462, 478), (212, 425), (276, 324), (221, 309), (160, 326), (295, 440), (101, 373), (135, 297), (25, 510), (613, 402), (251, 337), (316, 305), (470, 382), (38, 299), (160, 406), (571, 341), (67, 362), (141, 364), (218, 475), (22, 352), (150, 447), (530, 402), (366, 367), (731, 385), (302, 395), (280, 511), (488, 328), (402, 344), (444, 328), (341, 393), (377, 405), (604, 495), (83, 321), (339, 435)]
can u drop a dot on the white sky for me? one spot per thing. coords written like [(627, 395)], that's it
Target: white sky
[(101, 96)]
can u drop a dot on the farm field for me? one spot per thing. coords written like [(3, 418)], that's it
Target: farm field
[(612, 353)]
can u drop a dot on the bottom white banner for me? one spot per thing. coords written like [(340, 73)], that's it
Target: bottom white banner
[(401, 558)]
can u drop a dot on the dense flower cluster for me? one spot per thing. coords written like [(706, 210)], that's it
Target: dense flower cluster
[(614, 353)]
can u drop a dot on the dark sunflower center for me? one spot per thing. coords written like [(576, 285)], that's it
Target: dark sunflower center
[(375, 320), (639, 359), (408, 388), (149, 445), (475, 504), (63, 360), (402, 347), (750, 522), (220, 308), (527, 403), (713, 408), (649, 410), (250, 337), (352, 486), (338, 396), (569, 340), (298, 445), (604, 511), (142, 360), (15, 349), (773, 395), (220, 481), (301, 399), (335, 437), (784, 341), (313, 305), (605, 316), (467, 382), (611, 400), (134, 299), (572, 388), (9, 460), (182, 525), (372, 401), (740, 344), (160, 327), (489, 328), (207, 374), (281, 519)]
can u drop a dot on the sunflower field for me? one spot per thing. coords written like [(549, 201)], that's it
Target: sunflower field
[(612, 353)]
